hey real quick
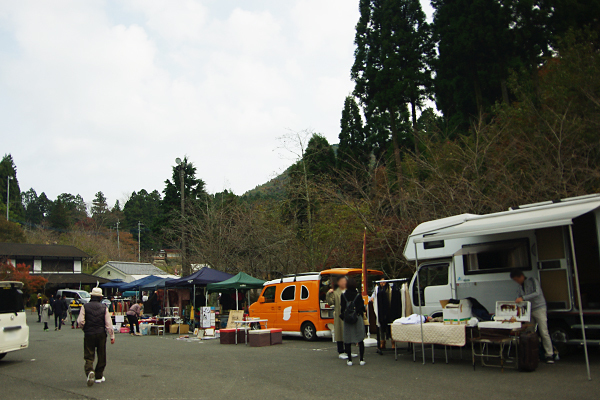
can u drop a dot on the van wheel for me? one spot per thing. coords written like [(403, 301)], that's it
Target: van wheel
[(2, 356), (308, 331)]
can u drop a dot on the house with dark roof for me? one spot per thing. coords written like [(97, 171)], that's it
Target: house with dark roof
[(60, 264), (128, 271)]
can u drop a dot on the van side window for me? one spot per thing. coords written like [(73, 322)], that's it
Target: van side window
[(494, 257), (430, 275), (304, 293), (289, 293), (269, 294)]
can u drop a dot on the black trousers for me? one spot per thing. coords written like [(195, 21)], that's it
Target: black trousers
[(361, 348), (340, 346), (57, 320), (95, 345), (133, 322)]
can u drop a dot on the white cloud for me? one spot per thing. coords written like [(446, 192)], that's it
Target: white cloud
[(104, 95)]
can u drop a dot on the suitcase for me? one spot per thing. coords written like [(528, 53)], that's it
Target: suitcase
[(529, 356)]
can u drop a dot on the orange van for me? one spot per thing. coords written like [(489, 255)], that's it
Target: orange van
[(297, 305)]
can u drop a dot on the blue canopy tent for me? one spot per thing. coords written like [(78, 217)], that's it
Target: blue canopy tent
[(140, 282), (114, 284), (201, 277), (154, 285)]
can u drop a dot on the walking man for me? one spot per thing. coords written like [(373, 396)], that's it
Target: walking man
[(530, 290), (60, 308), (96, 323)]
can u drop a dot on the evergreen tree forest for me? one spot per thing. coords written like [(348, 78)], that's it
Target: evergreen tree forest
[(490, 105)]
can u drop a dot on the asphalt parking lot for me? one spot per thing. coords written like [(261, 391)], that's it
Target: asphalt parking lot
[(150, 367)]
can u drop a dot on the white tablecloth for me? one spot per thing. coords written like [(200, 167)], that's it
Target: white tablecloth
[(433, 333)]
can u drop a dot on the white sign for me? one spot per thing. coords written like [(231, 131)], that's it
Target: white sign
[(205, 321)]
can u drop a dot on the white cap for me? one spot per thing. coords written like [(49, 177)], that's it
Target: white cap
[(96, 292)]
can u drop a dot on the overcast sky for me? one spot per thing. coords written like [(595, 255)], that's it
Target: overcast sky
[(104, 95)]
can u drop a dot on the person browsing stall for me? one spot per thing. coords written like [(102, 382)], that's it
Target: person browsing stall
[(133, 314), (334, 299), (351, 312), (96, 323), (530, 290)]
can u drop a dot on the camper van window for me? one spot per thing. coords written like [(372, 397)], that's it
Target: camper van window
[(304, 293), (269, 294), (438, 244), (495, 257), (289, 293), (429, 275)]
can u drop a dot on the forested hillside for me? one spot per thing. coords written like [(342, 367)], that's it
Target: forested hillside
[(516, 89)]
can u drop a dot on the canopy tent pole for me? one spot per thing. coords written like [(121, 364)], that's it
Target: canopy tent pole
[(237, 306), (420, 303), (205, 297), (194, 307), (575, 268)]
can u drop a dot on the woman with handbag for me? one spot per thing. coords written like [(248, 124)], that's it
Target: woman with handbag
[(45, 313), (352, 312)]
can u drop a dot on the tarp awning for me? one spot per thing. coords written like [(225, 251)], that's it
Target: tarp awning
[(200, 278), (514, 221), (241, 281)]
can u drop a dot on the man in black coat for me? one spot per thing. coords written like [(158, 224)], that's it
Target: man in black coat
[(60, 308)]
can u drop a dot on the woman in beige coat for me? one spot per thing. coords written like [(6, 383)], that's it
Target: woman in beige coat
[(334, 299)]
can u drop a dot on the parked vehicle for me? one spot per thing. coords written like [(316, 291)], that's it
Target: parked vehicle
[(14, 331), (73, 294), (471, 255), (296, 303)]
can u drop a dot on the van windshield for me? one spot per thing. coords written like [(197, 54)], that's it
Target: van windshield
[(11, 300), (84, 295)]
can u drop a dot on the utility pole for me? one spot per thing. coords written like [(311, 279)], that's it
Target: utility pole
[(118, 241), (8, 179), (139, 242), (184, 267)]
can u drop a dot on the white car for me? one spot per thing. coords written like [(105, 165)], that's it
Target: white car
[(73, 294), (14, 331)]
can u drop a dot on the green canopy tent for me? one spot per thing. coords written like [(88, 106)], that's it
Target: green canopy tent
[(241, 281)]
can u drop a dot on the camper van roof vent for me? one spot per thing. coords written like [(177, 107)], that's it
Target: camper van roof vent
[(549, 202)]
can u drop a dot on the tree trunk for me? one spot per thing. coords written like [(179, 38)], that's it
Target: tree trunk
[(397, 159), (415, 128), (504, 88)]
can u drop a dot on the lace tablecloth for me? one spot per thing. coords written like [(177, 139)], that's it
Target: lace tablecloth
[(433, 333)]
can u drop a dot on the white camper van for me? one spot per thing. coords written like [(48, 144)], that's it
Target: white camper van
[(471, 256), (14, 332)]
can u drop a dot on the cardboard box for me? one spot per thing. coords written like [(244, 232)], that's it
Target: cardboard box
[(506, 310), (276, 336), (259, 338), (179, 328), (456, 314)]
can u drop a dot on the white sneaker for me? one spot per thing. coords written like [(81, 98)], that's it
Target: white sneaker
[(361, 363), (349, 363), (90, 378), (343, 356), (354, 355), (100, 380)]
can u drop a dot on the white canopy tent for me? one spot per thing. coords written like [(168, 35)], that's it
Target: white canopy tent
[(545, 215)]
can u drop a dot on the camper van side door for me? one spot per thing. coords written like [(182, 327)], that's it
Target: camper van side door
[(434, 284)]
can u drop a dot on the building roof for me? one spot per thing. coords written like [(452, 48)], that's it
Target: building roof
[(84, 279), (134, 268), (41, 250)]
